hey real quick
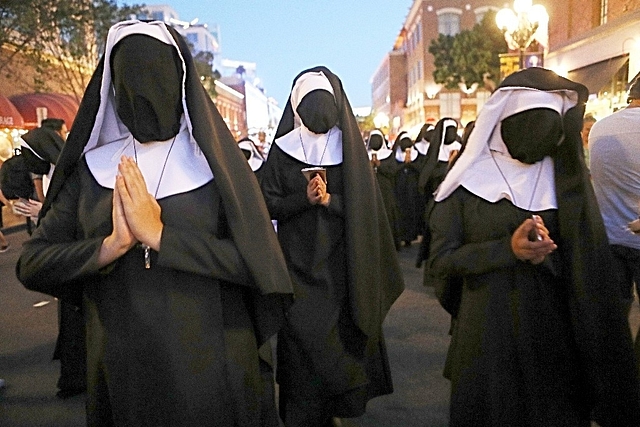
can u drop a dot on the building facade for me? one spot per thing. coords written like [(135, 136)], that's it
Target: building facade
[(389, 92), (230, 104), (597, 43), (427, 101), (240, 99), (594, 42)]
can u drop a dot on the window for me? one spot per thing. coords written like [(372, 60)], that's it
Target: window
[(192, 38), (450, 104), (604, 6), (449, 21)]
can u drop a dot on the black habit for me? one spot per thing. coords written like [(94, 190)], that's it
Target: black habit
[(385, 174), (532, 345), (409, 197), (175, 344), (344, 269)]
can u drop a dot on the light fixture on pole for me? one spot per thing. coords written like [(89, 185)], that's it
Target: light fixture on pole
[(522, 25)]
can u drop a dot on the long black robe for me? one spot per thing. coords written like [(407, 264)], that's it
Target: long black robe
[(224, 295), (386, 178), (599, 329), (513, 359), (322, 354), (171, 345), (409, 198)]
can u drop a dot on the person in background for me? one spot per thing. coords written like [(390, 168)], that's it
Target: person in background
[(442, 152), (339, 249), (6, 151), (614, 144), (587, 124), (423, 140), (262, 144), (253, 154), (409, 199), (151, 223), (444, 147), (41, 148), (384, 169), (466, 133), (540, 337)]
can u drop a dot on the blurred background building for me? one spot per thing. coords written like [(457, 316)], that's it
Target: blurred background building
[(239, 95), (594, 42)]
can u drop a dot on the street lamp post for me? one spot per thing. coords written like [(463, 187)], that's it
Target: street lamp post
[(522, 25)]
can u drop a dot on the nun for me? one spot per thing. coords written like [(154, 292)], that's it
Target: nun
[(440, 155), (446, 144), (383, 168), (423, 140), (252, 153), (150, 223), (520, 256), (41, 147), (408, 164), (332, 226)]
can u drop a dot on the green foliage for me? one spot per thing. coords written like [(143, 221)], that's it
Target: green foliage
[(204, 65), (61, 40), (365, 123), (444, 72), (469, 57)]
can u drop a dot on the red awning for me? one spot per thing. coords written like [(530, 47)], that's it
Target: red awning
[(9, 115), (57, 106)]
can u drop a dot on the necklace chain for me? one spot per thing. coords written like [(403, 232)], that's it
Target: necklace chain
[(164, 165), (513, 197), (323, 151), (147, 249)]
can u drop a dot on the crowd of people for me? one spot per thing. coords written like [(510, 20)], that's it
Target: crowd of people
[(202, 270)]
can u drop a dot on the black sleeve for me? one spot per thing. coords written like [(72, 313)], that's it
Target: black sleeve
[(280, 204), (451, 255), (53, 261)]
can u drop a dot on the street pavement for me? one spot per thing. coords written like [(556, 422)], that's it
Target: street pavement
[(416, 331)]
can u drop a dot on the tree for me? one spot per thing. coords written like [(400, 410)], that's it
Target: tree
[(444, 72), (365, 123), (204, 65), (18, 29), (471, 56), (60, 40)]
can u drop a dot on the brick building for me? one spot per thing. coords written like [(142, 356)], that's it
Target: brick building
[(389, 91), (230, 104), (596, 42), (426, 101)]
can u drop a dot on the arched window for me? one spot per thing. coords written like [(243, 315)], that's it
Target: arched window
[(449, 21)]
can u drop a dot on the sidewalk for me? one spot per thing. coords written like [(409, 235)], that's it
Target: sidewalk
[(28, 331)]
